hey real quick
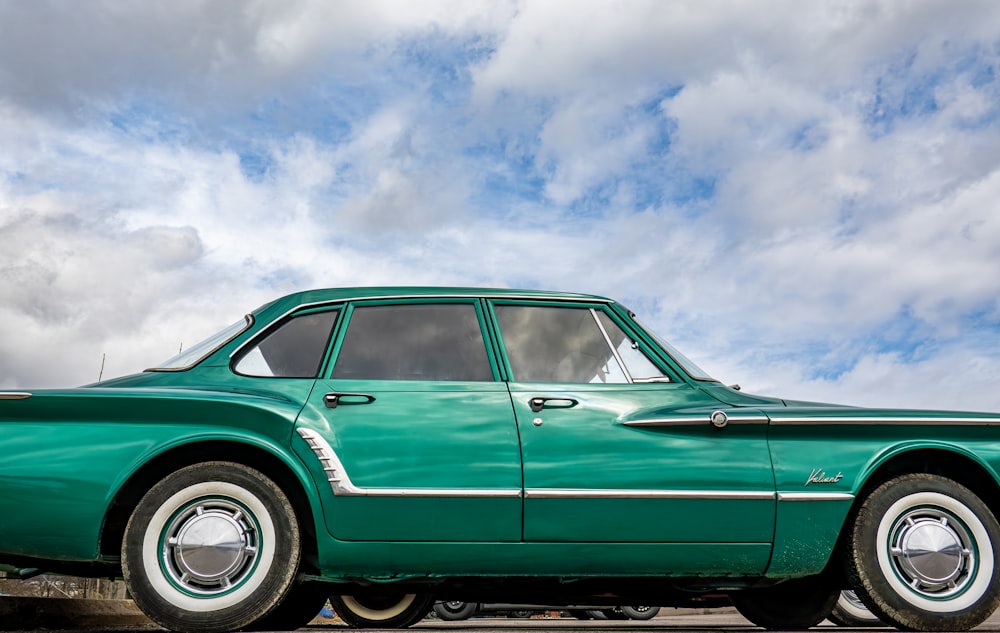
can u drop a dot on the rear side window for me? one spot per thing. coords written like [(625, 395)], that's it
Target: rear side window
[(294, 350), (414, 342)]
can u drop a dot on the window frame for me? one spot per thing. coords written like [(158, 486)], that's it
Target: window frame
[(251, 343), (344, 323), (593, 308)]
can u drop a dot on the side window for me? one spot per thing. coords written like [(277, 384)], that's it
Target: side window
[(638, 365), (414, 342), (549, 344), (294, 350)]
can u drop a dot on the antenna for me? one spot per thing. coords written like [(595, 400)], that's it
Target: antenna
[(104, 355)]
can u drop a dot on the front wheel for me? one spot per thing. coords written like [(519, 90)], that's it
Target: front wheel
[(922, 554), (383, 610), (795, 604), (302, 604), (213, 547)]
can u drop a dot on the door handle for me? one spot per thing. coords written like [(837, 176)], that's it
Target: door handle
[(540, 402), (334, 398)]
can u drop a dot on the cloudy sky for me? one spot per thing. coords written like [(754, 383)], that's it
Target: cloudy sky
[(802, 196)]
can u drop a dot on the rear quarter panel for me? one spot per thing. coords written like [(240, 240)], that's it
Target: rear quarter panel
[(65, 454)]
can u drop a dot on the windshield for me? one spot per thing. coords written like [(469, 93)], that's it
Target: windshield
[(686, 363), (196, 352)]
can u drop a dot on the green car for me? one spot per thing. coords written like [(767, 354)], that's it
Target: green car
[(390, 447)]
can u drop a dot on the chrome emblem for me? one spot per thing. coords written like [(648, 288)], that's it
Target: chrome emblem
[(719, 419), (819, 476)]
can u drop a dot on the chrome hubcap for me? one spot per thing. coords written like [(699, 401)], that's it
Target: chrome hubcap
[(210, 547), (932, 551)]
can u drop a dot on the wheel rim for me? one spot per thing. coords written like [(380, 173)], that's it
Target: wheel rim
[(210, 546), (935, 552), (193, 593), (851, 605), (852, 599)]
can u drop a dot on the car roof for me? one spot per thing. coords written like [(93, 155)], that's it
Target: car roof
[(328, 295)]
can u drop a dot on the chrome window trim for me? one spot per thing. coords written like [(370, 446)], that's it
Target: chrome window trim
[(607, 341), (342, 485), (584, 493), (249, 319), (815, 496), (430, 298)]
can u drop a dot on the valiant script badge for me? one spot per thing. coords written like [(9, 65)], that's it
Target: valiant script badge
[(819, 476)]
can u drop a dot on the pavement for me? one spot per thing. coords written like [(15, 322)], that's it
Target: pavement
[(68, 614), (22, 613)]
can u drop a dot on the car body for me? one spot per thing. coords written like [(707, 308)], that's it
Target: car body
[(393, 446)]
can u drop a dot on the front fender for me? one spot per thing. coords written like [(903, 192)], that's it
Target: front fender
[(822, 468)]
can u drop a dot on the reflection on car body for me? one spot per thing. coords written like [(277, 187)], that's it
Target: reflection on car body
[(389, 447)]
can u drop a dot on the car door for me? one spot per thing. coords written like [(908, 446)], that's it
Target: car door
[(421, 438), (618, 447)]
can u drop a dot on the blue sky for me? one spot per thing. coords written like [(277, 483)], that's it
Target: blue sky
[(801, 196)]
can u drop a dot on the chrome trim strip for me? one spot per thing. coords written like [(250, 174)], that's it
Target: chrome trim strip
[(437, 493), (815, 496), (342, 485), (698, 420), (585, 493), (14, 395), (896, 421)]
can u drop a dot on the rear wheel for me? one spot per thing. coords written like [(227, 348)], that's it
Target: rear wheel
[(213, 547), (795, 604), (385, 609), (923, 552)]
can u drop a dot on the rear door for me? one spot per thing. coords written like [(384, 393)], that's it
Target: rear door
[(423, 437)]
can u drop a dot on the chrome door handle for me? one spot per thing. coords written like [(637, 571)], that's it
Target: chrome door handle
[(334, 398), (540, 402)]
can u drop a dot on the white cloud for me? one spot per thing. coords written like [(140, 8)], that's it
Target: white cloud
[(788, 190)]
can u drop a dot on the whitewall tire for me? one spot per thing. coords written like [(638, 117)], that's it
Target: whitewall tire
[(923, 552), (213, 547)]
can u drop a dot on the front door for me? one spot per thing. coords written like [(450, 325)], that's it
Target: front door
[(619, 448), (424, 440)]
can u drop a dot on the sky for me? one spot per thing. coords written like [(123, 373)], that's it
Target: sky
[(801, 196)]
